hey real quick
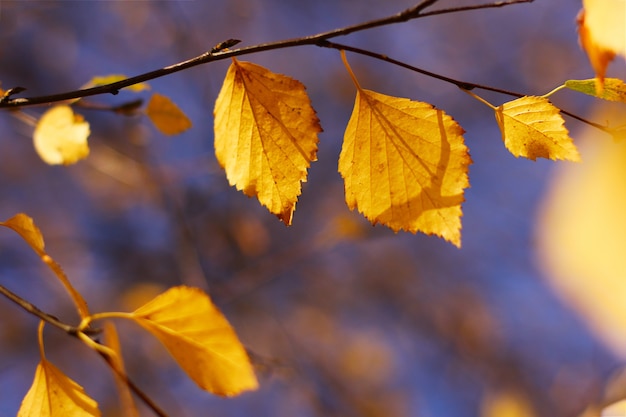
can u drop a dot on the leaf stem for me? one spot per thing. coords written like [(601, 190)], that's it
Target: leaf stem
[(349, 69), (479, 98), (559, 88)]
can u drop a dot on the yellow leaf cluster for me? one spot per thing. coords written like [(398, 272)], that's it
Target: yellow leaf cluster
[(61, 136), (533, 128), (405, 165), (200, 339), (265, 135), (53, 394), (166, 115)]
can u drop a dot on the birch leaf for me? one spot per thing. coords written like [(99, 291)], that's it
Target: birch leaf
[(405, 165), (24, 226), (533, 128), (166, 116), (200, 339), (614, 88), (61, 136), (265, 135), (53, 394)]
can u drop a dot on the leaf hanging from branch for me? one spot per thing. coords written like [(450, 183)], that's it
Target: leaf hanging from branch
[(533, 128), (405, 165), (265, 135), (200, 339)]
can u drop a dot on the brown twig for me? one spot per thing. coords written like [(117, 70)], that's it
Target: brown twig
[(219, 53)]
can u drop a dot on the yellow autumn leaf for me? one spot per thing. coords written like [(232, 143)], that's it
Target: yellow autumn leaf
[(582, 236), (532, 127), (53, 394), (61, 136), (26, 228), (405, 165), (614, 88), (614, 410), (200, 339), (265, 135), (112, 341), (602, 33), (113, 78), (166, 116)]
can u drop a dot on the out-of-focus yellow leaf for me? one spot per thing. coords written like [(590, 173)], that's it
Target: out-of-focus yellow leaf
[(505, 404), (265, 135), (533, 128), (405, 165), (200, 339), (602, 33), (113, 78), (53, 394), (61, 136), (26, 228), (614, 88), (582, 236), (111, 340), (166, 115)]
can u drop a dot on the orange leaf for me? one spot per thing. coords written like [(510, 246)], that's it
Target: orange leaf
[(602, 34), (200, 339), (166, 116), (26, 228), (265, 135), (533, 128), (112, 341), (405, 165), (53, 394)]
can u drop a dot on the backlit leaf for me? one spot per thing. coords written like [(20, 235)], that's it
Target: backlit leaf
[(614, 88), (53, 394), (265, 135), (26, 228), (166, 116), (112, 341), (533, 128), (582, 236), (602, 33), (61, 136), (405, 165), (200, 339)]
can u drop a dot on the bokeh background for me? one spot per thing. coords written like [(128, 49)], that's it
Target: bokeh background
[(341, 318)]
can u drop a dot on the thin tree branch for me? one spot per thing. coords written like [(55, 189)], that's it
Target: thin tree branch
[(464, 85), (219, 53), (30, 308)]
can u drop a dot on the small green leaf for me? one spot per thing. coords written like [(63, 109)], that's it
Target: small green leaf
[(614, 88)]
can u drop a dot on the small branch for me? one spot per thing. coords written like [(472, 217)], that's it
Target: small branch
[(133, 387), (463, 85), (219, 53), (30, 308)]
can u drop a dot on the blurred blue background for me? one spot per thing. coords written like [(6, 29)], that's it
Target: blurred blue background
[(341, 318)]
